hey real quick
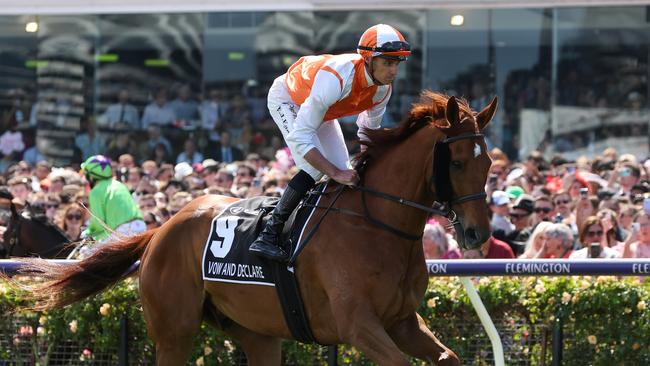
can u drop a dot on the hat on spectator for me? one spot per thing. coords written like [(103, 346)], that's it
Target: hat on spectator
[(627, 158), (182, 170), (525, 202), (514, 174), (209, 162), (514, 191), (500, 198)]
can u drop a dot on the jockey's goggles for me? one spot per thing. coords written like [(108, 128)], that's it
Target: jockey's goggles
[(397, 48)]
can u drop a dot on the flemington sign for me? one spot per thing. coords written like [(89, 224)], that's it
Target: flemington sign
[(538, 267)]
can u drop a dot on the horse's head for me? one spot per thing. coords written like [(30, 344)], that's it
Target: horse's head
[(29, 233), (460, 169)]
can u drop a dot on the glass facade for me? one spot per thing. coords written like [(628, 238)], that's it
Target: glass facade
[(570, 80)]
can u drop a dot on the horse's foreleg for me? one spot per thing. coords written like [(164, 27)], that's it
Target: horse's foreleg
[(364, 331), (260, 350), (413, 337)]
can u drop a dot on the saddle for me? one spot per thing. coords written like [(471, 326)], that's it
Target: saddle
[(226, 257)]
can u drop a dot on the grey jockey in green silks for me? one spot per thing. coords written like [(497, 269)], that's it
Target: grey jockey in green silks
[(110, 201)]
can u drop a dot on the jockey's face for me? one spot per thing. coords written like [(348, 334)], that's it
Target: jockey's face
[(384, 70)]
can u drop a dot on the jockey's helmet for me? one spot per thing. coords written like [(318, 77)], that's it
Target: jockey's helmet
[(97, 167), (383, 40)]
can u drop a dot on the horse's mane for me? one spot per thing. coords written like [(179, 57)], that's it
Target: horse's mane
[(430, 109)]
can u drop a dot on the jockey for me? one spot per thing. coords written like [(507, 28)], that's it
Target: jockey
[(305, 103), (110, 202)]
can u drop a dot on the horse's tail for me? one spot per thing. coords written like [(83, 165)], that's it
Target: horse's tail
[(68, 283)]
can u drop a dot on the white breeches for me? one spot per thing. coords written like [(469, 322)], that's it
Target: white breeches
[(328, 139)]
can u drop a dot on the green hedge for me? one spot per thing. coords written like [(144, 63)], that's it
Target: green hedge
[(607, 321)]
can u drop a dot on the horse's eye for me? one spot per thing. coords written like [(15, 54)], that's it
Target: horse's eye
[(456, 164)]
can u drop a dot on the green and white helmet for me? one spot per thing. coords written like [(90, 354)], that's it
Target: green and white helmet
[(98, 167)]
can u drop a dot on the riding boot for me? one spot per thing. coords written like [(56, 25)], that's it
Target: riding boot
[(268, 245)]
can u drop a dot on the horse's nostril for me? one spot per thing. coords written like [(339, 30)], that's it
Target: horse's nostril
[(471, 235)]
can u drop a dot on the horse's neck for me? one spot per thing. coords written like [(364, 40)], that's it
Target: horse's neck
[(402, 172)]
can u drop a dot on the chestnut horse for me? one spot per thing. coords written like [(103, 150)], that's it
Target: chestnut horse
[(361, 279)]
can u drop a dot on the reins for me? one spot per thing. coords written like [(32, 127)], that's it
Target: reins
[(439, 208)]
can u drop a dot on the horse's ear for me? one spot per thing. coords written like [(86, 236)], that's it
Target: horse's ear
[(485, 116), (453, 112)]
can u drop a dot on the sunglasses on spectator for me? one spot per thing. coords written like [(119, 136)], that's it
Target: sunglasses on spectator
[(594, 233), (244, 174), (562, 202), (73, 217), (543, 209)]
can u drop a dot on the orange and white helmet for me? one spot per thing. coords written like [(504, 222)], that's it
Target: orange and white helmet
[(383, 40)]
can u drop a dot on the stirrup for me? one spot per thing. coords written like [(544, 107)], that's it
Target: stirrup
[(269, 251)]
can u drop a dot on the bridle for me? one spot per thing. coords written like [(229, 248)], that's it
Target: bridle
[(439, 179), (442, 190), (14, 238)]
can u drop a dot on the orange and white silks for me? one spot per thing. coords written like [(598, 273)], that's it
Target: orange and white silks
[(301, 76), (319, 89)]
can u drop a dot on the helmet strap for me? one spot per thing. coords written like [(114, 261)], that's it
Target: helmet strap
[(91, 180)]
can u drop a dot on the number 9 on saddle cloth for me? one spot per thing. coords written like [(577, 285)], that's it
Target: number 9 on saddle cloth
[(226, 257)]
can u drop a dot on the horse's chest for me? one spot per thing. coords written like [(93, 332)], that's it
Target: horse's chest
[(407, 292)]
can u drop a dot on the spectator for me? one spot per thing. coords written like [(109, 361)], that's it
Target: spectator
[(544, 210), (593, 232), (159, 112), (245, 175), (435, 243), (20, 187), (558, 243), (151, 220), (625, 218), (156, 138), (496, 249), (123, 143), (500, 206), (161, 200), (638, 243), (185, 108), (536, 240), (212, 112), (122, 115), (48, 203), (74, 218), (89, 141), (564, 206), (628, 175), (519, 215), (224, 151), (224, 179), (42, 170), (189, 154), (160, 155)]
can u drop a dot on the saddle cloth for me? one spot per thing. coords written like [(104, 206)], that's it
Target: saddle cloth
[(226, 257)]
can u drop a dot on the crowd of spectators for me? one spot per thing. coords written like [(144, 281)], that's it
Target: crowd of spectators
[(589, 208)]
